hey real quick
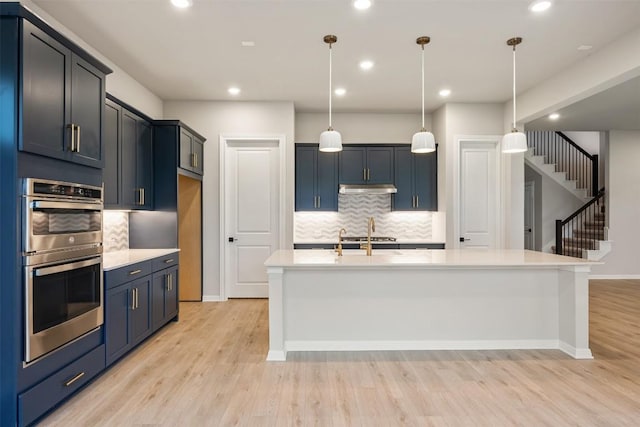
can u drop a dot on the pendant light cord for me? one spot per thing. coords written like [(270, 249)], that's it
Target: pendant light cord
[(423, 129), (330, 127), (514, 88)]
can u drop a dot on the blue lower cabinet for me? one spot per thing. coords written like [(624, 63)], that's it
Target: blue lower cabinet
[(164, 296), (127, 317), (41, 398)]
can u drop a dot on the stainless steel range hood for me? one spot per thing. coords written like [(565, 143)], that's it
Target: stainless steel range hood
[(367, 189)]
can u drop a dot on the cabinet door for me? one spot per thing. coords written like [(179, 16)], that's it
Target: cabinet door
[(379, 165), (144, 163), (426, 181), (186, 158), (171, 295), (353, 164), (327, 181), (159, 287), (403, 170), (128, 143), (46, 94), (87, 100), (306, 178), (140, 323), (111, 172), (197, 147), (118, 304)]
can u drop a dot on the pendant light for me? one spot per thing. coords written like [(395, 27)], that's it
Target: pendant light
[(423, 141), (514, 141), (330, 140)]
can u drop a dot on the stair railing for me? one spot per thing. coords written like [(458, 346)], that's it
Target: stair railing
[(568, 157), (581, 227)]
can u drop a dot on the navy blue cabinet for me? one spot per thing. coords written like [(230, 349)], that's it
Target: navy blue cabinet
[(191, 152), (128, 174), (371, 164), (164, 296), (416, 178), (316, 179), (63, 98)]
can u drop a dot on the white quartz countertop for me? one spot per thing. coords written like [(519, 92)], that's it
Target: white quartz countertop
[(113, 260), (438, 258)]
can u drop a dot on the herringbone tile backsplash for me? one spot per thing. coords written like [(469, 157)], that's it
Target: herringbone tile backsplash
[(116, 231), (353, 211)]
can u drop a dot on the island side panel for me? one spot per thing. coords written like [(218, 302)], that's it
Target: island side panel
[(574, 311), (420, 309), (277, 350)]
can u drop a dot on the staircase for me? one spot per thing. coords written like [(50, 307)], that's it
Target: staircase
[(584, 233)]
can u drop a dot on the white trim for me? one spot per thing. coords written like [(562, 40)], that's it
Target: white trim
[(532, 208), (224, 139), (422, 345), (576, 353), (276, 356), (212, 298), (495, 139), (614, 276)]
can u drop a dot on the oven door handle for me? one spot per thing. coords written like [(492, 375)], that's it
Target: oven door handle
[(45, 204), (45, 271)]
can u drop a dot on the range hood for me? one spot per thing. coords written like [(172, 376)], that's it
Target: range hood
[(367, 189)]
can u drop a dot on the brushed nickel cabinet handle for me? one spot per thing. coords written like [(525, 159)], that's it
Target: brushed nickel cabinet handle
[(167, 280), (143, 197), (368, 174), (134, 272), (413, 201), (319, 204), (137, 298), (72, 145), (78, 140), (133, 299), (74, 379), (417, 201), (168, 261), (196, 159), (364, 174)]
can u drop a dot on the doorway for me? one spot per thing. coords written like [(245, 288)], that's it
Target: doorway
[(252, 213), (478, 194)]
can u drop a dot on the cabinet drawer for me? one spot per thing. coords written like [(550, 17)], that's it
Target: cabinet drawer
[(122, 275), (166, 261), (41, 398)]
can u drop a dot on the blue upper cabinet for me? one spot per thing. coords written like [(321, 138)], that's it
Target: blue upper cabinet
[(63, 99), (416, 178), (191, 151), (366, 165), (316, 179)]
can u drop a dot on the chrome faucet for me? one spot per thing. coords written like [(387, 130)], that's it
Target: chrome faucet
[(339, 248), (371, 226)]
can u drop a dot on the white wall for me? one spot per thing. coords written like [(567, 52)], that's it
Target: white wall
[(119, 83), (215, 118), (588, 141), (365, 128), (440, 134), (623, 207)]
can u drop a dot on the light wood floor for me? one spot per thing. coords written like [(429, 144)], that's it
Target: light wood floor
[(209, 370)]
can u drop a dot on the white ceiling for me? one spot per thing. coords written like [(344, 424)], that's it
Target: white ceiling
[(195, 54)]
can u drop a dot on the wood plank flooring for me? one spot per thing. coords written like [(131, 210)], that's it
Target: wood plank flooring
[(209, 370)]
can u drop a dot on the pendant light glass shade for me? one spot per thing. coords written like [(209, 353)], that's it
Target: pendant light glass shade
[(423, 141), (330, 140), (514, 141)]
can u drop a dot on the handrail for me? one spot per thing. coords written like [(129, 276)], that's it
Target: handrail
[(584, 214), (576, 146)]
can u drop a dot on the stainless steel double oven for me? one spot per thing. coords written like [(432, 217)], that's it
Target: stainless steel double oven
[(62, 261)]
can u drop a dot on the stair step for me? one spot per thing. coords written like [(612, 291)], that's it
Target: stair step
[(583, 243), (594, 224), (598, 216), (569, 251), (591, 233)]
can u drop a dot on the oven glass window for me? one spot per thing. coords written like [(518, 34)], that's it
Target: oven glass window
[(63, 221), (62, 296)]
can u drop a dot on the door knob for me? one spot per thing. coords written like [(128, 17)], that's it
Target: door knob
[(231, 239), (462, 239)]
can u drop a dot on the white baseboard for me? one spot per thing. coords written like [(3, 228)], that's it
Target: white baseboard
[(576, 353), (614, 276), (276, 356), (212, 298)]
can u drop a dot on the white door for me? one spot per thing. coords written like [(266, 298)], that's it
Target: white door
[(478, 195), (252, 215), (529, 218)]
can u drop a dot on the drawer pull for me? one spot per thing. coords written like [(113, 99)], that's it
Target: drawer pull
[(134, 272), (168, 261), (74, 379)]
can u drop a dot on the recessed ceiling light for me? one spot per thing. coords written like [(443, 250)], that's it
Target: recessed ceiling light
[(340, 91), (444, 92), (362, 4), (366, 65), (247, 43), (234, 90), (554, 116), (540, 6), (585, 47), (182, 4)]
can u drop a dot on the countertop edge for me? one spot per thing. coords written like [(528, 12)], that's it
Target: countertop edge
[(119, 259)]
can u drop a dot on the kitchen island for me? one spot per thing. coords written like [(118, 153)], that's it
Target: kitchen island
[(470, 299)]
